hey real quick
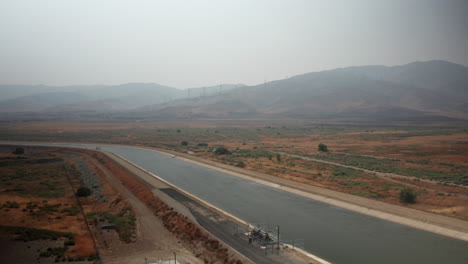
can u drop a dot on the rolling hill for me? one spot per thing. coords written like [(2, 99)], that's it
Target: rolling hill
[(420, 90), (99, 98), (416, 90)]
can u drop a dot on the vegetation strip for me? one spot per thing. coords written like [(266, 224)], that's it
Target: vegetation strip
[(84, 216)]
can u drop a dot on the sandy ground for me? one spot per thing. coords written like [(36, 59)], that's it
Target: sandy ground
[(153, 241)]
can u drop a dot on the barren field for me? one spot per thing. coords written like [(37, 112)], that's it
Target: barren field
[(432, 160), (39, 208), (43, 221)]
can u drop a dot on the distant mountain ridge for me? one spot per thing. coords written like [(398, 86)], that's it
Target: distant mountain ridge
[(431, 89), (415, 90), (24, 98)]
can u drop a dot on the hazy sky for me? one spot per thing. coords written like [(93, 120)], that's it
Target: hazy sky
[(200, 43)]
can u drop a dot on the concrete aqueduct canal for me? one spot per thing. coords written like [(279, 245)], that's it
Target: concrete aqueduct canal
[(332, 233)]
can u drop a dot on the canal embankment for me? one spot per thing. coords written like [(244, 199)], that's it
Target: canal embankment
[(213, 219), (439, 224)]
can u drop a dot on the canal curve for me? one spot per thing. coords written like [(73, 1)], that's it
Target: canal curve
[(332, 233)]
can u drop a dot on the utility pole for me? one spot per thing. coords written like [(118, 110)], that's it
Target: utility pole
[(278, 246), (175, 258)]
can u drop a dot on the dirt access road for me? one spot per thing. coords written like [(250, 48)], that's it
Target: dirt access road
[(384, 175), (153, 241)]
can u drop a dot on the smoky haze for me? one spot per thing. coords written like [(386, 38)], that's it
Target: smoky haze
[(201, 43)]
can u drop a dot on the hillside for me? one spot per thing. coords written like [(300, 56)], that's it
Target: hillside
[(98, 98), (416, 90), (432, 90)]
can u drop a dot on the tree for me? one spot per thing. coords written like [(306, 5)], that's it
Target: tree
[(407, 195), (19, 151), (222, 151), (83, 192), (184, 143), (322, 147)]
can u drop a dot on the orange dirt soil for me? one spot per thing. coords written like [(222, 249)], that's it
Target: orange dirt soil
[(57, 221), (183, 228), (389, 143)]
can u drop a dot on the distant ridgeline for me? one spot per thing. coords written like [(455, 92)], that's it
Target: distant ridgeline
[(433, 90)]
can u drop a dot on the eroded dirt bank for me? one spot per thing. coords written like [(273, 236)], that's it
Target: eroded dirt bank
[(194, 241)]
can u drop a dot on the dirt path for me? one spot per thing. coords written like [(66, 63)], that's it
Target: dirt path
[(383, 175), (153, 239)]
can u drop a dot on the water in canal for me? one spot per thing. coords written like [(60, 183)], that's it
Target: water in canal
[(332, 233)]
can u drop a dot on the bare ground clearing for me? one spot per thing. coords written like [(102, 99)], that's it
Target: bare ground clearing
[(38, 201)]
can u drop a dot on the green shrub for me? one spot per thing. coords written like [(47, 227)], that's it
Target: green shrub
[(9, 204), (278, 157), (240, 164), (408, 196), (19, 151), (30, 234), (71, 210), (322, 147), (69, 243), (222, 151), (124, 223), (184, 143), (83, 191)]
